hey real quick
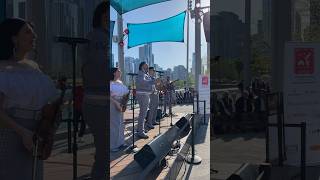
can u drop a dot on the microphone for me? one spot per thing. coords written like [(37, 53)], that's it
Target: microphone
[(70, 40), (160, 71), (132, 74)]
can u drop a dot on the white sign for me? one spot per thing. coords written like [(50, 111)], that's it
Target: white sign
[(301, 92), (204, 94)]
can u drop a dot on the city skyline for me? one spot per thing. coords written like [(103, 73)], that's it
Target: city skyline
[(166, 54)]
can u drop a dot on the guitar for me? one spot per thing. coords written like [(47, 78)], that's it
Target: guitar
[(121, 106)]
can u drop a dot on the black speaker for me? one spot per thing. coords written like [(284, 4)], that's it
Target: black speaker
[(184, 125), (159, 114), (157, 149)]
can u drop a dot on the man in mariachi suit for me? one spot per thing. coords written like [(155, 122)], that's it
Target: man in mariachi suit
[(144, 88), (154, 101)]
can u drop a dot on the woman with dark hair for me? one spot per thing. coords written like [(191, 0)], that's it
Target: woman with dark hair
[(117, 91), (95, 85), (24, 90)]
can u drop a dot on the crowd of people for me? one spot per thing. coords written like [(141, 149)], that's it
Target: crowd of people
[(242, 110)]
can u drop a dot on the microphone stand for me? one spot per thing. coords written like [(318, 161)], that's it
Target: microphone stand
[(160, 74), (170, 108), (73, 42), (133, 148)]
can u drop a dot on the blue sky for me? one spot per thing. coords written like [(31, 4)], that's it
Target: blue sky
[(166, 54)]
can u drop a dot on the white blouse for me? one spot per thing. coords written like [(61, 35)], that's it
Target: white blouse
[(25, 87), (117, 88)]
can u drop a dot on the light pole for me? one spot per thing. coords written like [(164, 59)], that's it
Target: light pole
[(120, 45), (197, 13)]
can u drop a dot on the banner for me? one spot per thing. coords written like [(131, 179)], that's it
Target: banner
[(206, 26), (204, 94), (302, 100), (124, 6), (167, 30)]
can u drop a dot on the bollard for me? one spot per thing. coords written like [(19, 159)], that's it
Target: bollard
[(303, 151)]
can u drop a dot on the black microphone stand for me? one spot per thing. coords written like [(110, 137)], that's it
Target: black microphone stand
[(160, 74), (73, 42), (133, 148)]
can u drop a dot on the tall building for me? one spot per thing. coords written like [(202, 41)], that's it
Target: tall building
[(314, 13), (145, 54), (128, 68), (296, 26), (228, 34), (63, 18), (260, 27), (179, 72), (266, 20), (16, 8)]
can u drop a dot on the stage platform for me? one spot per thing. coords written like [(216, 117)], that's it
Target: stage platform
[(123, 166)]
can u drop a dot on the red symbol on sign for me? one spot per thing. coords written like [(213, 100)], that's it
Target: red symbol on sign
[(304, 61), (205, 80)]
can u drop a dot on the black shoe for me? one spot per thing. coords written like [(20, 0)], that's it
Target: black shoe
[(155, 123)]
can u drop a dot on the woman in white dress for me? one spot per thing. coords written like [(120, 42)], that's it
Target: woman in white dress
[(24, 90), (117, 91)]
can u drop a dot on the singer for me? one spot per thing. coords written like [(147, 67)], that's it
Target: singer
[(154, 102), (117, 92), (24, 90), (144, 89), (95, 79)]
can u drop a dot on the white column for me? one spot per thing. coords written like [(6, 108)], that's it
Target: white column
[(120, 48), (36, 13), (281, 32)]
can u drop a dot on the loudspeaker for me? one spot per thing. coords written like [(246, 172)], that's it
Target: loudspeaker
[(246, 171), (184, 125), (159, 114), (157, 149)]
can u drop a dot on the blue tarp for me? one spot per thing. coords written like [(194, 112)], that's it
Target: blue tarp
[(123, 6), (167, 30)]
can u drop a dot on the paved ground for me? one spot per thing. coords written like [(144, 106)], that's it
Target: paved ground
[(123, 166), (202, 147), (60, 164), (228, 152)]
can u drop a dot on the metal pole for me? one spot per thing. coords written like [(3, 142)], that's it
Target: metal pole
[(303, 151), (197, 103), (75, 122), (197, 42), (3, 10), (247, 46), (69, 132), (189, 8), (280, 140), (267, 142), (204, 112), (120, 48)]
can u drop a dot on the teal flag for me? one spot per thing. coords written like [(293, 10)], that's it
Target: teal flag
[(167, 30), (123, 6)]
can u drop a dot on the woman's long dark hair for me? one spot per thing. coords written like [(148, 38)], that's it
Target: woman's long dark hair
[(101, 9), (8, 28), (113, 70)]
